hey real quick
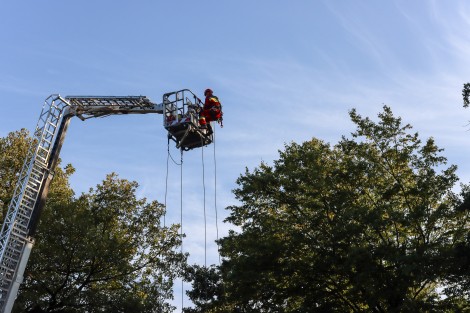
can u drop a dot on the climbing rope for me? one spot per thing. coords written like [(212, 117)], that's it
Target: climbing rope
[(181, 224), (204, 205), (166, 182), (224, 292), (169, 156), (215, 200), (172, 156), (180, 164)]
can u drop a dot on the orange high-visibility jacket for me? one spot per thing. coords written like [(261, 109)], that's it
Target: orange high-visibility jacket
[(211, 110)]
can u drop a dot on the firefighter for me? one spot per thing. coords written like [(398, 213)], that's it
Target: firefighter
[(211, 111)]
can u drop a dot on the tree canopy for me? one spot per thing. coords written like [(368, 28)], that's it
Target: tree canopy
[(369, 224)]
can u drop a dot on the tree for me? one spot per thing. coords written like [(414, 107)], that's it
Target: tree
[(13, 150), (207, 290), (366, 225), (458, 280), (466, 95), (103, 251)]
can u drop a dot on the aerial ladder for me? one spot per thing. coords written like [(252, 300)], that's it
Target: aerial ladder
[(180, 119)]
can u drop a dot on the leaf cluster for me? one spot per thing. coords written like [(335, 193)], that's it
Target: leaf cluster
[(466, 94)]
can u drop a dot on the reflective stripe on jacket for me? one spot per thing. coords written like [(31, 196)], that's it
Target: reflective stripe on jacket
[(211, 101)]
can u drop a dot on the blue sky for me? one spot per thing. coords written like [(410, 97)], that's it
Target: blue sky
[(284, 71)]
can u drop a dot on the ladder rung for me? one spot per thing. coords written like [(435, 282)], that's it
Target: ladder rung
[(20, 234), (7, 271), (11, 249), (26, 207), (14, 260), (10, 258), (23, 216), (31, 198), (26, 210), (33, 187)]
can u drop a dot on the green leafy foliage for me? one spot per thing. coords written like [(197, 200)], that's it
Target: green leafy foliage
[(13, 149), (369, 224), (466, 95), (207, 291), (458, 282)]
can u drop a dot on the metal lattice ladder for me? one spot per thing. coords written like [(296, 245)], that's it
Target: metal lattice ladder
[(14, 234)]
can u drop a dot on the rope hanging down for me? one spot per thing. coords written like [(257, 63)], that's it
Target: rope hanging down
[(181, 223), (215, 202), (169, 156), (166, 183), (204, 205)]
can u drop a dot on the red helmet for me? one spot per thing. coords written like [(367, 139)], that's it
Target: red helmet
[(208, 91)]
